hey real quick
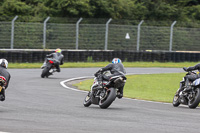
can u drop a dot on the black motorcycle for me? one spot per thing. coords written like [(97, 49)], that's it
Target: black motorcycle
[(103, 92), (49, 68), (190, 97), (3, 83)]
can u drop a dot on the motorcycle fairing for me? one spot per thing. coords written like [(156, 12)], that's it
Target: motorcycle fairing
[(196, 82)]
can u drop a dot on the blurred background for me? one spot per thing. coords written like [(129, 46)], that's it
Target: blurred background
[(117, 25)]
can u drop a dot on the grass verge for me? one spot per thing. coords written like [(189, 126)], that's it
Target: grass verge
[(103, 64), (152, 87)]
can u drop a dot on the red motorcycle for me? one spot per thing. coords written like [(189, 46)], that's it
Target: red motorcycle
[(49, 68)]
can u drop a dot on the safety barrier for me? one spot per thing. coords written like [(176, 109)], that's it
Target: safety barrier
[(96, 56)]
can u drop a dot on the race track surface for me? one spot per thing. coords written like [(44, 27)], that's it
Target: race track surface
[(36, 105)]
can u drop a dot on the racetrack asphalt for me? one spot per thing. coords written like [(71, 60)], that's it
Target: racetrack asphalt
[(36, 105)]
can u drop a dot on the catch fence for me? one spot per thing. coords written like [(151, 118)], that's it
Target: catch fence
[(79, 35)]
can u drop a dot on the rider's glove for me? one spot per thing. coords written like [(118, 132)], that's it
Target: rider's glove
[(96, 74), (185, 69)]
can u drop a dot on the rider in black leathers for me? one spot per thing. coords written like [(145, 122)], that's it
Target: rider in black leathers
[(189, 78), (58, 57), (6, 75), (116, 68)]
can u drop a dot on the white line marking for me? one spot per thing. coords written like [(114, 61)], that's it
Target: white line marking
[(85, 77), (68, 80)]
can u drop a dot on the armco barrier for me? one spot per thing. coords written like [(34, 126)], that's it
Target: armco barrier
[(22, 56)]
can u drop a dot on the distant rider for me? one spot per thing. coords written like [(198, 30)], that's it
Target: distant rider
[(116, 69), (5, 77), (58, 56), (193, 77)]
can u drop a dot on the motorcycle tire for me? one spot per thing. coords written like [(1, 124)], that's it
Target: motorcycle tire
[(105, 103), (45, 72), (87, 101), (195, 102), (176, 102)]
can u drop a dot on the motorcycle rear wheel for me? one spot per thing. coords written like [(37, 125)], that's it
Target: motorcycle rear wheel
[(45, 72), (87, 101), (105, 103), (193, 103)]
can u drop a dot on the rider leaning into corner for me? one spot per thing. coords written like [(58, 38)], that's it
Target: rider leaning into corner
[(58, 56), (116, 68), (189, 78), (5, 75)]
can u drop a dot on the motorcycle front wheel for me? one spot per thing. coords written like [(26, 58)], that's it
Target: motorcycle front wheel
[(87, 101), (176, 102), (194, 101), (108, 99)]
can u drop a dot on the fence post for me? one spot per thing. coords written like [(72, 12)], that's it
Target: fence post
[(106, 35), (77, 31), (44, 32), (171, 36), (12, 32), (138, 35)]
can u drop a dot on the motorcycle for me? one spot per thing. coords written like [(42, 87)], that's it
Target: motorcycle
[(185, 96), (49, 68), (3, 83), (106, 94)]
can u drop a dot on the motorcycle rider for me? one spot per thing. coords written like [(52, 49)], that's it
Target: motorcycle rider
[(58, 56), (116, 68), (193, 77), (5, 75)]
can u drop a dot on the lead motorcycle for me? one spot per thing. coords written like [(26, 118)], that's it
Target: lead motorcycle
[(190, 97), (49, 68), (105, 95)]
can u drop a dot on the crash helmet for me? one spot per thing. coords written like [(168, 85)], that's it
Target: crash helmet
[(4, 63), (58, 50), (116, 60)]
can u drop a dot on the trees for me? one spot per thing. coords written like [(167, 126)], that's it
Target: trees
[(184, 10)]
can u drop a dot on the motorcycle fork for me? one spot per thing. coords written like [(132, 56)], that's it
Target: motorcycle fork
[(103, 94), (190, 95)]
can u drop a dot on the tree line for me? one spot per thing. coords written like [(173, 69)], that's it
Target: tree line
[(156, 10)]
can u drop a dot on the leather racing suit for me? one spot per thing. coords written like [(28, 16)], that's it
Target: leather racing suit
[(115, 70), (58, 57), (6, 75)]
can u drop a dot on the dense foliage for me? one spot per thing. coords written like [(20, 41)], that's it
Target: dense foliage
[(166, 10)]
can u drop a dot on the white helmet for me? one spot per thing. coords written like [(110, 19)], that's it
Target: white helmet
[(116, 60), (4, 63)]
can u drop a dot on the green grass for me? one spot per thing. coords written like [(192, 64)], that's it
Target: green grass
[(102, 64), (153, 87)]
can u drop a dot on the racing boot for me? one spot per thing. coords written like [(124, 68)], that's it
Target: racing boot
[(120, 93), (100, 86), (180, 88), (42, 67), (188, 86)]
